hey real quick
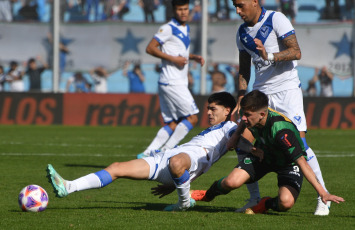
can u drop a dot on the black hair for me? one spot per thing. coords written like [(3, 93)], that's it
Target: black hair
[(225, 99), (179, 2), (254, 101), (31, 60), (13, 63)]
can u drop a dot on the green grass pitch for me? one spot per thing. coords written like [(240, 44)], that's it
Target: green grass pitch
[(127, 204)]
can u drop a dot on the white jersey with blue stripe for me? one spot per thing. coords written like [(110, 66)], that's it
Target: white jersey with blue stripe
[(174, 39), (271, 29), (214, 139)]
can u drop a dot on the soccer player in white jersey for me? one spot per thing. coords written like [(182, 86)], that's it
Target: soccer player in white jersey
[(174, 168), (267, 38), (172, 44)]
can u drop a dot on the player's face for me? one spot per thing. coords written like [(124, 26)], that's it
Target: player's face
[(182, 13), (253, 119), (217, 113), (247, 10)]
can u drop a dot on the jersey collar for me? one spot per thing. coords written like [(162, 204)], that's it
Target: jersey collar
[(263, 11), (176, 21)]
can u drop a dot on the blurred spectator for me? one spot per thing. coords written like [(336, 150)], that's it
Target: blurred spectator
[(168, 10), (312, 89), (149, 6), (218, 81), (289, 8), (331, 9), (28, 10), (325, 78), (136, 78), (99, 76), (15, 77), (222, 12), (41, 10), (63, 51), (196, 13), (81, 85), (234, 71), (191, 82), (34, 73), (89, 4), (5, 10), (2, 78), (119, 8)]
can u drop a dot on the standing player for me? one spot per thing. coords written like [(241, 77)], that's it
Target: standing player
[(171, 44), (268, 39), (279, 149), (174, 168)]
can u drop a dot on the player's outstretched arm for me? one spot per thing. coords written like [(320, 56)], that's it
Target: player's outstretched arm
[(313, 180)]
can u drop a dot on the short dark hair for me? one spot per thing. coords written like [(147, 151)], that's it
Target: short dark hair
[(225, 99), (179, 2), (254, 101), (13, 63), (31, 60)]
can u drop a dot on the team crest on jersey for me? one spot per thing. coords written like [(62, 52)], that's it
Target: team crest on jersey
[(264, 31), (297, 119), (161, 30)]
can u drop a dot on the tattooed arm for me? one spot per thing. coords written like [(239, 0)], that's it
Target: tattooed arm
[(313, 180), (243, 77), (292, 51)]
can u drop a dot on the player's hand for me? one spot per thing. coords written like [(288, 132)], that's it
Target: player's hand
[(333, 198), (237, 107), (162, 190), (258, 153), (261, 48), (199, 59), (180, 61)]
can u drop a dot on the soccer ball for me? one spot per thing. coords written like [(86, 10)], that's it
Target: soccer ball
[(33, 198)]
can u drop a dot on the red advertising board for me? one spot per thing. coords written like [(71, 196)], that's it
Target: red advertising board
[(141, 110)]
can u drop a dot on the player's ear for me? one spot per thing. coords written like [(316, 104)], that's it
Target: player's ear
[(227, 111)]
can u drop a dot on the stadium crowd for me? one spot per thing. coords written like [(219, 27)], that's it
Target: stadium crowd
[(117, 10)]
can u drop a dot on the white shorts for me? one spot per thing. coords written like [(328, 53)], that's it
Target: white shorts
[(159, 162), (176, 102), (290, 103)]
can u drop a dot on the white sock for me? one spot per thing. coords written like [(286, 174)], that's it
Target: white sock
[(86, 182), (162, 136), (181, 130), (183, 192), (313, 162)]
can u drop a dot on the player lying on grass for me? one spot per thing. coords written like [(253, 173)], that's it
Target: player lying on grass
[(279, 149), (178, 166)]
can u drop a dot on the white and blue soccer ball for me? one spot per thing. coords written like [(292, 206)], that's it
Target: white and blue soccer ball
[(33, 198)]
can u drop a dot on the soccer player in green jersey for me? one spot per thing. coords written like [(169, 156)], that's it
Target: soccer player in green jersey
[(279, 148)]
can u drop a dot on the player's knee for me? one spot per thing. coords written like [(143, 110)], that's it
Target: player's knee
[(231, 183), (176, 166), (286, 202)]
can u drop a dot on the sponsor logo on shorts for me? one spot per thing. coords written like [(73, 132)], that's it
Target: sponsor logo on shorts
[(247, 161)]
